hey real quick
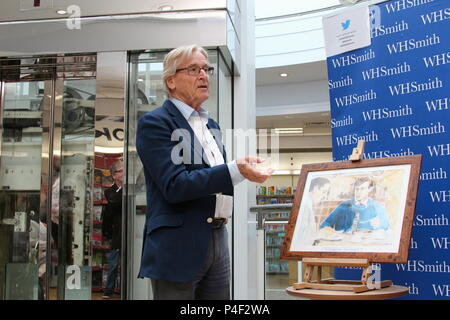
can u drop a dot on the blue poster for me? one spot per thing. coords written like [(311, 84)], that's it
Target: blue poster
[(395, 95)]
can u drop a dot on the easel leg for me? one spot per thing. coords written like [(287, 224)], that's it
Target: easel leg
[(319, 274), (308, 273)]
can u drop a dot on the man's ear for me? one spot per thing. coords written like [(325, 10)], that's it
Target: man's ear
[(170, 82)]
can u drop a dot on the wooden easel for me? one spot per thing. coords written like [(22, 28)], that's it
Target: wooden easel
[(331, 284), (357, 152)]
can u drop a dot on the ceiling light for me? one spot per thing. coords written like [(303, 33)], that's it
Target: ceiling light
[(61, 12), (284, 75), (289, 130), (165, 7)]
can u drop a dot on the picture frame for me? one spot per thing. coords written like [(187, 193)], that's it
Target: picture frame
[(360, 210)]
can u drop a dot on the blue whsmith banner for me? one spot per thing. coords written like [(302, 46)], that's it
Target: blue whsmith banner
[(395, 95)]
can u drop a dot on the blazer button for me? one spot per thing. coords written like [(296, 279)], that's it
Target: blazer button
[(209, 220)]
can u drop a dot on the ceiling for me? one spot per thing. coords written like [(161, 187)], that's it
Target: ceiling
[(306, 72), (318, 121), (296, 73)]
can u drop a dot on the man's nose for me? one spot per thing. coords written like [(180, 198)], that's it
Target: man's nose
[(203, 73)]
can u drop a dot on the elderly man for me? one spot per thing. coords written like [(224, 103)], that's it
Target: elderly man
[(189, 189)]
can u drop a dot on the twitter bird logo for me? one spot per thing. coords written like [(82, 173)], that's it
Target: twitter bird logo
[(345, 24)]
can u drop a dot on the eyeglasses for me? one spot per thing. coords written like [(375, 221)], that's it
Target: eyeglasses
[(195, 70)]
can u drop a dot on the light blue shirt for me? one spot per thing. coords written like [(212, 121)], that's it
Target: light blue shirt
[(187, 112)]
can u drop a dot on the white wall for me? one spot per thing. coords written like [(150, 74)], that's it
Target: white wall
[(289, 98), (294, 161), (289, 41), (244, 262)]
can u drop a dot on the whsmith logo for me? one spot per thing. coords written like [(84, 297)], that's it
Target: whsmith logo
[(421, 221), (438, 104), (421, 266), (350, 139), (355, 98), (439, 150), (440, 196), (404, 4), (387, 113), (383, 30), (413, 86), (417, 131), (386, 71), (353, 59), (437, 59), (387, 154), (435, 174), (344, 82), (412, 44), (436, 16)]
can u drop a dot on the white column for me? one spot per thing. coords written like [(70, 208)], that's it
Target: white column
[(245, 277)]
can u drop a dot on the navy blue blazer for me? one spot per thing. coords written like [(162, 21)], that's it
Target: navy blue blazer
[(180, 196)]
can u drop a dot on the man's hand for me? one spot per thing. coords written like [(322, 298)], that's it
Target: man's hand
[(247, 169)]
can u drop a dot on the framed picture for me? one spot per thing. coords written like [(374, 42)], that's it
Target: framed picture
[(362, 209)]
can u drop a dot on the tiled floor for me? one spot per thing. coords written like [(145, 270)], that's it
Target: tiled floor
[(95, 295), (276, 285)]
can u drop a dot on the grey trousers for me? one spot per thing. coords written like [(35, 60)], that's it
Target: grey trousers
[(212, 282)]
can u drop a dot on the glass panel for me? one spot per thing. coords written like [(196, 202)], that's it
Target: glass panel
[(280, 274), (78, 283), (277, 271), (21, 281), (147, 93), (73, 189), (224, 97), (22, 225), (212, 104), (109, 171), (107, 223)]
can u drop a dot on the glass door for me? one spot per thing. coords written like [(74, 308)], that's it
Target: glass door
[(47, 135), (23, 225), (73, 167)]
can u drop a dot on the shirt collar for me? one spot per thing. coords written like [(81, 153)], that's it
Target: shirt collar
[(188, 111)]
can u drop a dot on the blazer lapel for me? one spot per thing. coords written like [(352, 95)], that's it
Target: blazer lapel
[(182, 123), (217, 134)]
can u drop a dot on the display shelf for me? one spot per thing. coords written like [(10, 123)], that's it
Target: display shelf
[(101, 247), (102, 185), (275, 196), (274, 231)]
